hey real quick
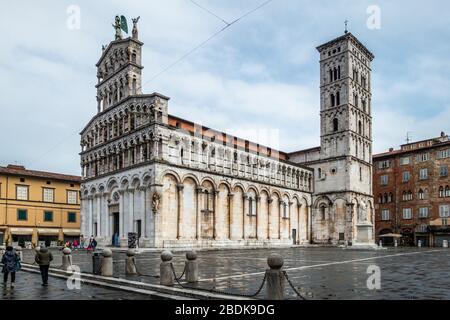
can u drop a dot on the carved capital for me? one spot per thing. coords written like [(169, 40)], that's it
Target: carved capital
[(180, 187)]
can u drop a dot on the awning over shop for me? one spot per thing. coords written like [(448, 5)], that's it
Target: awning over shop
[(72, 232), (21, 231), (48, 232), (390, 235)]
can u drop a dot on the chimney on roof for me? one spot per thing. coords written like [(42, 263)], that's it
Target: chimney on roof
[(391, 149), (442, 134)]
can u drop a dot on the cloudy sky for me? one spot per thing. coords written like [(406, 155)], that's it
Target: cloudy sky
[(259, 76)]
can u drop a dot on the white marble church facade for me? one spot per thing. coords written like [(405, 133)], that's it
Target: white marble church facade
[(177, 184)]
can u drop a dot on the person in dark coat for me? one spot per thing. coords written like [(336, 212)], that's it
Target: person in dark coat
[(11, 264), (43, 259)]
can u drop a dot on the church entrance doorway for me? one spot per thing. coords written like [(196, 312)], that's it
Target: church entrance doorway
[(116, 229)]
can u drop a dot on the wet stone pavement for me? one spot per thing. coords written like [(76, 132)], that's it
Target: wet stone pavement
[(28, 287), (317, 273)]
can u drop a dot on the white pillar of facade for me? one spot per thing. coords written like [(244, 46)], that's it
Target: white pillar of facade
[(90, 217), (130, 210), (143, 211), (105, 214), (121, 213), (99, 198)]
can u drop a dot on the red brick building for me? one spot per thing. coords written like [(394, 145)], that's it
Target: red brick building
[(412, 192)]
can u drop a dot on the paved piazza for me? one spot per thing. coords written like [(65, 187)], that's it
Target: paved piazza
[(319, 273), (28, 287)]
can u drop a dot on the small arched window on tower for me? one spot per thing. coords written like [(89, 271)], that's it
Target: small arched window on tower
[(356, 100), (322, 212), (338, 98), (364, 105), (335, 124), (319, 173), (359, 127), (333, 100), (133, 57), (335, 74), (134, 86), (360, 174), (339, 72), (331, 75)]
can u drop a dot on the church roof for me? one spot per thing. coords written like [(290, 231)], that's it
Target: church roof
[(347, 36)]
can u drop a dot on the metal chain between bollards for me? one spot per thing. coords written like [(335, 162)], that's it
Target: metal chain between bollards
[(292, 286), (219, 291), (142, 274)]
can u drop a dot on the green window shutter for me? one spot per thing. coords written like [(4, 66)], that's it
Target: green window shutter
[(48, 216), (22, 214)]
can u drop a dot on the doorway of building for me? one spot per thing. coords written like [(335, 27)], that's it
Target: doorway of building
[(294, 236), (116, 229)]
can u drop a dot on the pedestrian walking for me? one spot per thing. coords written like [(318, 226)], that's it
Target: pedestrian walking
[(43, 259), (11, 264)]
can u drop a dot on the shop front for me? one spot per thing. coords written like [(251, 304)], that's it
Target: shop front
[(48, 237), (71, 235), (21, 237), (439, 234)]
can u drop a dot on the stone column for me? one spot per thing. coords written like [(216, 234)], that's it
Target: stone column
[(257, 207), (309, 226), (199, 192), (299, 210), (106, 233), (230, 213), (269, 207), (121, 213), (143, 211), (90, 217), (289, 214), (244, 210), (216, 209), (280, 211), (180, 188), (99, 199), (130, 210)]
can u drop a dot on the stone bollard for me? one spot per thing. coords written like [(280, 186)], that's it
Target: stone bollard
[(445, 244), (419, 243), (19, 252), (107, 263), (66, 259), (395, 243), (275, 278), (191, 266), (165, 269), (381, 243), (130, 265)]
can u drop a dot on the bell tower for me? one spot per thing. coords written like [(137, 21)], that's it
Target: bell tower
[(345, 112), (119, 69), (344, 209)]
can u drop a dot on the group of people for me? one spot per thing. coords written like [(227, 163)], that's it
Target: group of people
[(12, 263)]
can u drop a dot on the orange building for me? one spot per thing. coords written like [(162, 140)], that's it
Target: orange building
[(38, 207)]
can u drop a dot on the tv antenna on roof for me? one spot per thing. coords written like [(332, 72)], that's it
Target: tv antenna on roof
[(408, 136)]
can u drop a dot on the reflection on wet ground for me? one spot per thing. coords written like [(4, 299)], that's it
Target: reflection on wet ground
[(318, 273)]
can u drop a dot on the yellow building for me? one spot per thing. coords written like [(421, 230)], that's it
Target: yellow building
[(38, 207)]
